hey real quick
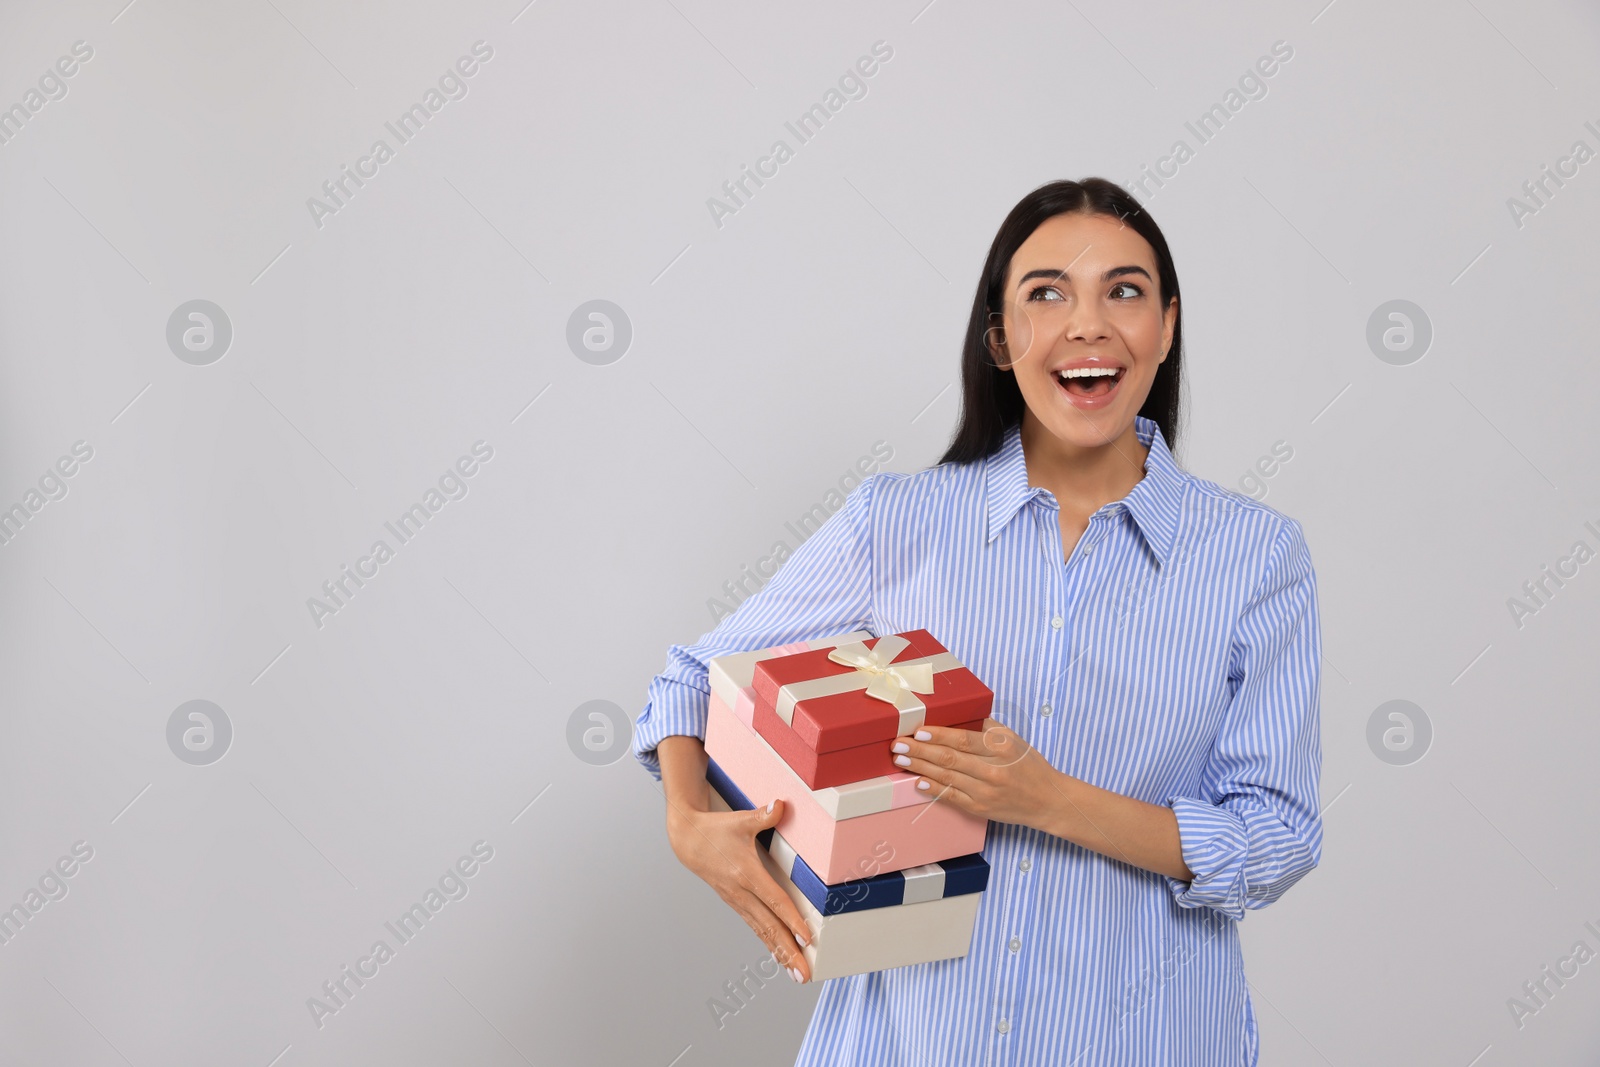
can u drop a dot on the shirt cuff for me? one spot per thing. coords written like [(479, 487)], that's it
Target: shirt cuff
[(674, 709), (1215, 848)]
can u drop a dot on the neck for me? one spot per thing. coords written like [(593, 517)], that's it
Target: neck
[(1083, 479)]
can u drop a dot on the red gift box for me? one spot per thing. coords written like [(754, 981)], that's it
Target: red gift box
[(833, 721)]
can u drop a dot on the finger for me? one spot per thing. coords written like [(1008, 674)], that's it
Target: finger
[(909, 753), (709, 829), (755, 881), (766, 927), (996, 744), (941, 777), (764, 924), (950, 794), (735, 862), (758, 819), (766, 889), (776, 935), (948, 737)]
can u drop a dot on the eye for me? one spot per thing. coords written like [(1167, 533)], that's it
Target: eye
[(1126, 291), (1033, 294)]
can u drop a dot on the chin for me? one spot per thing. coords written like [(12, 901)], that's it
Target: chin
[(1087, 430), (1086, 427)]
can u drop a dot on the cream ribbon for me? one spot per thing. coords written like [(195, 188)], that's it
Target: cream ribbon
[(876, 672), (887, 681)]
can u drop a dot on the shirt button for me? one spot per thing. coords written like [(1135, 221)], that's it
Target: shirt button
[(1004, 1026), (1087, 549), (1025, 865), (1045, 710), (1015, 944), (1056, 622)]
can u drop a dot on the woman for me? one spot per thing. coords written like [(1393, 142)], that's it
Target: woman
[(1151, 766)]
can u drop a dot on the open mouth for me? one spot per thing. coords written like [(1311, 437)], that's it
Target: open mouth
[(1090, 383)]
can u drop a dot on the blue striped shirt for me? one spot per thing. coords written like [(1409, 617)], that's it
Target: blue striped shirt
[(1174, 656)]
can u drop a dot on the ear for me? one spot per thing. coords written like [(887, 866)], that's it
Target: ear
[(994, 341), (1169, 323)]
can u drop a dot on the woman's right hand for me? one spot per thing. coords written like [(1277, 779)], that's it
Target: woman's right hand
[(721, 848)]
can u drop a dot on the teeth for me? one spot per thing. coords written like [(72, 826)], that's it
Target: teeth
[(1087, 372)]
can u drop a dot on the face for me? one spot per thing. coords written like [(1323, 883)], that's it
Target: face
[(1085, 328)]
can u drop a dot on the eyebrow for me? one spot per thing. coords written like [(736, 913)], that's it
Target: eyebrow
[(1114, 272)]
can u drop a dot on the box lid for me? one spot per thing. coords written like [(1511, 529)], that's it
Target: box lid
[(732, 673), (827, 706)]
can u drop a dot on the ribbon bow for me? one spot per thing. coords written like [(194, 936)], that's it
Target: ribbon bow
[(888, 682)]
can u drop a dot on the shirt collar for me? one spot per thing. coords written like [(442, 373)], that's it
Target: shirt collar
[(1154, 502)]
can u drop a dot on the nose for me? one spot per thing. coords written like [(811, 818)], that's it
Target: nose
[(1086, 322)]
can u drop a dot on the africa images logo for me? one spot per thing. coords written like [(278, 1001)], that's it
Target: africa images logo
[(452, 885), (452, 85), (453, 485)]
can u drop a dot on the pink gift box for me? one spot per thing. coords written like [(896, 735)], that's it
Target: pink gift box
[(914, 831), (846, 801)]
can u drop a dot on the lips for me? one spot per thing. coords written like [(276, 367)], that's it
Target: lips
[(1089, 383)]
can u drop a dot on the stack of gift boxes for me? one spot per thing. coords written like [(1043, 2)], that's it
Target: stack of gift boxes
[(884, 874)]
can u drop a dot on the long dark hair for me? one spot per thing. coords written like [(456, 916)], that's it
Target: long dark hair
[(991, 403)]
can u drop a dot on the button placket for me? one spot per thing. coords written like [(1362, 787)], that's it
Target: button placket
[(1087, 542), (1016, 911), (1012, 992), (1011, 987), (1072, 582)]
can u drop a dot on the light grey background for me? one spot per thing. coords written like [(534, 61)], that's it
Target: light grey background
[(767, 355)]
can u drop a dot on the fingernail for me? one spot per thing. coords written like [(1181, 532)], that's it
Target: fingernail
[(900, 746), (800, 940), (924, 784), (923, 735), (902, 761), (770, 803), (794, 973)]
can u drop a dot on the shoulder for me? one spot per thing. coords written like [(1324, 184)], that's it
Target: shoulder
[(1259, 536), (892, 493), (1204, 496)]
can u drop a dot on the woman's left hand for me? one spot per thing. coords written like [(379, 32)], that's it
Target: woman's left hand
[(994, 774)]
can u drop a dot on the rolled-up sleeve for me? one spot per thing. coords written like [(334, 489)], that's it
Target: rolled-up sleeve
[(824, 588), (1254, 830)]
